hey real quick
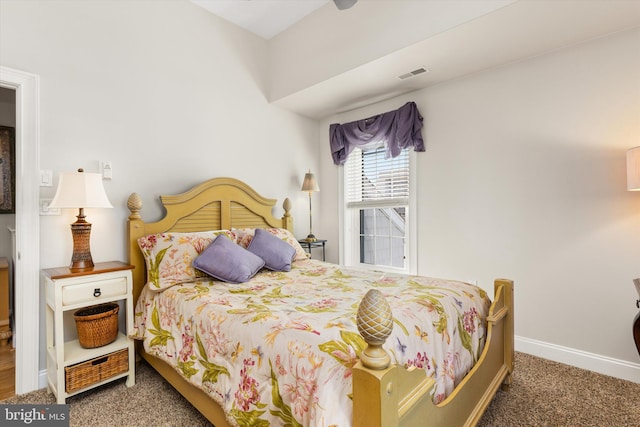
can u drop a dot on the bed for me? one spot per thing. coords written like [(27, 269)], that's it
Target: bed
[(362, 337)]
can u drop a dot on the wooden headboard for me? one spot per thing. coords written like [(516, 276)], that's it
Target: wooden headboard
[(216, 204)]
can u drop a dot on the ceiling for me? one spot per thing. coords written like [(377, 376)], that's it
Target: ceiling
[(265, 18), (522, 29)]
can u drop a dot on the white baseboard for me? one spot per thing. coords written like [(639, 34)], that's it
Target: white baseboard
[(42, 378), (581, 359)]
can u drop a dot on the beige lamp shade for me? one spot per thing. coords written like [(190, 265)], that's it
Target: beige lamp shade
[(80, 190), (633, 169), (310, 184)]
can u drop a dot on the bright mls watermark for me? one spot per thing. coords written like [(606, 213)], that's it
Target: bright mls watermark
[(34, 415)]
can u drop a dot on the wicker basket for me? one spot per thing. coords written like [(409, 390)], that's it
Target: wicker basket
[(95, 370), (97, 325)]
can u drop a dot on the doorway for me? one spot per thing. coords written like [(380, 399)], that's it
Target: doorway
[(26, 277), (7, 223)]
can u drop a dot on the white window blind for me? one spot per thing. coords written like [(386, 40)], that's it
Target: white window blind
[(373, 180)]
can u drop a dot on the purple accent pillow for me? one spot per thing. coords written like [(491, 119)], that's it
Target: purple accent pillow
[(276, 253), (228, 261)]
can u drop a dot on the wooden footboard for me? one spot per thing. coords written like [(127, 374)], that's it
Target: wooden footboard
[(395, 396)]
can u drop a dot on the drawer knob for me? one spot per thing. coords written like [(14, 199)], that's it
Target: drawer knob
[(97, 292)]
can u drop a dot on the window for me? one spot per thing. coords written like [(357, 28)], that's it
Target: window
[(377, 207), (381, 236)]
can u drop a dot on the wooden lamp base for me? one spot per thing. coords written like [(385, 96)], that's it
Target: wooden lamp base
[(81, 232)]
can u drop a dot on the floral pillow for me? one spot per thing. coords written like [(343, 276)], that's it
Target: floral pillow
[(169, 256), (245, 235)]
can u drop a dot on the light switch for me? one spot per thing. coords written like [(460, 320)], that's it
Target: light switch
[(107, 170), (46, 178), (46, 210)]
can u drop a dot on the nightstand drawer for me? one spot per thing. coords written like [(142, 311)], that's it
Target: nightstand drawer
[(94, 292)]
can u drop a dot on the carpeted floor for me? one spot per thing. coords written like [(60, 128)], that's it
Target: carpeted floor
[(543, 393), (546, 393)]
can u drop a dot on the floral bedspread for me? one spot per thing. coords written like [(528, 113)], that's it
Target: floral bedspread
[(278, 350)]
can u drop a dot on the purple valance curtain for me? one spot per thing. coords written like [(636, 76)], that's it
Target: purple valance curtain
[(398, 129)]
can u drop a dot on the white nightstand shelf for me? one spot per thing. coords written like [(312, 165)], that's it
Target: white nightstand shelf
[(75, 353), (67, 291)]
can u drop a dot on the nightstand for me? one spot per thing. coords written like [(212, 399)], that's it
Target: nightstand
[(67, 291), (317, 244)]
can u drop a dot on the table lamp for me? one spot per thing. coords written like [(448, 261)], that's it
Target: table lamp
[(80, 190), (310, 185)]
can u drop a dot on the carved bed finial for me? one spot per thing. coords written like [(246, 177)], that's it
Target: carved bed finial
[(287, 219), (134, 203), (375, 323), (287, 207)]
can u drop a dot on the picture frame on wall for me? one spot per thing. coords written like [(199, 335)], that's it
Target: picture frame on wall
[(7, 170)]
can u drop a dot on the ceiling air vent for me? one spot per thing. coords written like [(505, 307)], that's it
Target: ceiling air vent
[(413, 73)]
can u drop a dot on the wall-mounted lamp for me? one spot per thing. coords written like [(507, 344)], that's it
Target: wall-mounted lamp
[(80, 190), (310, 185), (633, 169)]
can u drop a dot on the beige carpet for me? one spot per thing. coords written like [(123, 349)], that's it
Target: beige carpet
[(544, 393)]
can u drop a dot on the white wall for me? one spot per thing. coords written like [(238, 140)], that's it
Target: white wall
[(524, 177), (167, 92)]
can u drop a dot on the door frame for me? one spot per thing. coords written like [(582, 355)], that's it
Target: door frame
[(27, 310)]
